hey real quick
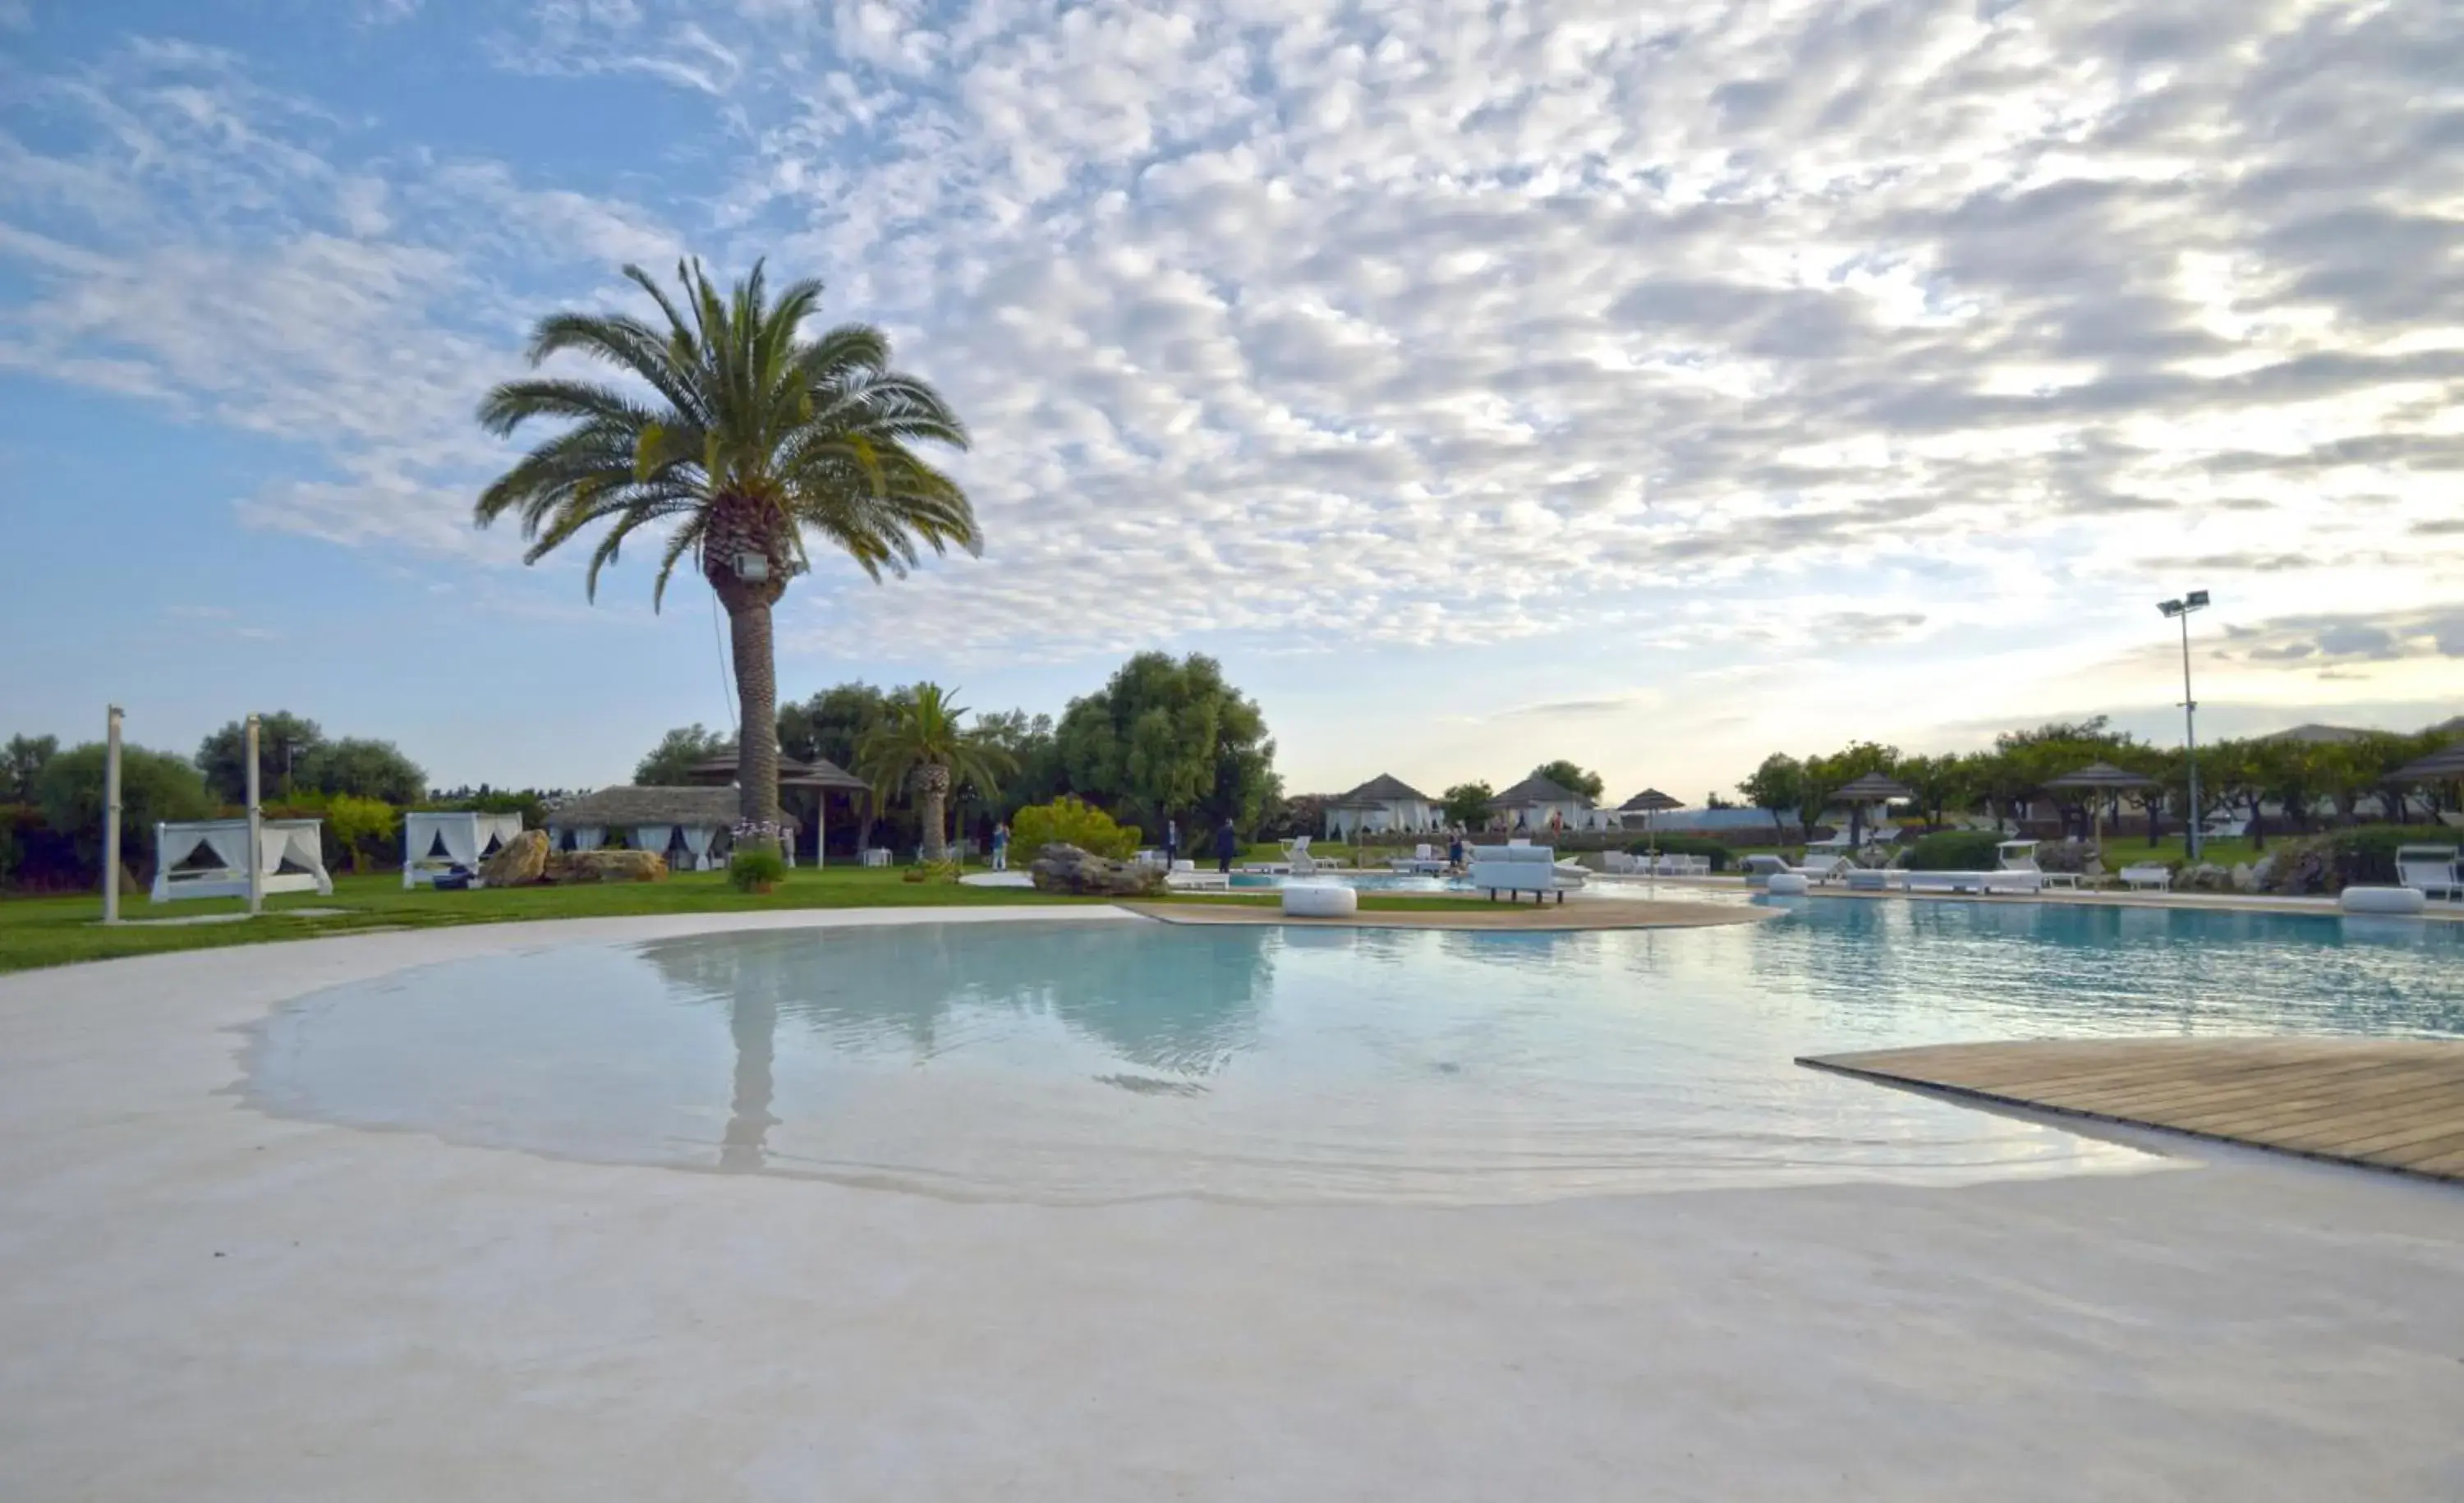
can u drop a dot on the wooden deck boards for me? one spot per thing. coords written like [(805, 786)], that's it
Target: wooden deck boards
[(2389, 1103)]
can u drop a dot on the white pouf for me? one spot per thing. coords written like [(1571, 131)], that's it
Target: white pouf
[(1789, 884), (2382, 900), (1319, 900)]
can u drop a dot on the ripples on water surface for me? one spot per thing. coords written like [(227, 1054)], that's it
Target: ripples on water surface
[(1088, 1062)]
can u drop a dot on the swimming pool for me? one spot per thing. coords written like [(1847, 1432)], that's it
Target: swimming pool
[(1070, 1063)]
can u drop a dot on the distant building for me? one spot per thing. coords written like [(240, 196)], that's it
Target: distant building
[(1537, 804), (1384, 803)]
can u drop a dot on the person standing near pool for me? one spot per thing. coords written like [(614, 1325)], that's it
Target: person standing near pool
[(1226, 842), (1455, 850), (1001, 845), (1170, 842)]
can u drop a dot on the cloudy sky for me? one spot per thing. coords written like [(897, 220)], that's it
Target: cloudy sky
[(1651, 382)]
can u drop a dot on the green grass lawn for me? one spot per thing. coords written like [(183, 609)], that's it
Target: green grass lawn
[(55, 931), (59, 931)]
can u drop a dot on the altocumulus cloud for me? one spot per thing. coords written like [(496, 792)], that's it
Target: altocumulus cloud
[(1486, 323)]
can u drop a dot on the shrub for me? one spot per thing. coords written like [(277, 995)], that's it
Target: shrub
[(1682, 845), (1072, 822), (1955, 850), (2340, 858), (756, 866)]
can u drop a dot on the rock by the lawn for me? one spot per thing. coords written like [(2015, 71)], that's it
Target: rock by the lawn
[(606, 866), (1067, 869), (518, 862)]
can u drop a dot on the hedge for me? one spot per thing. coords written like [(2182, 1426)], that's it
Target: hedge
[(1955, 850), (1677, 845)]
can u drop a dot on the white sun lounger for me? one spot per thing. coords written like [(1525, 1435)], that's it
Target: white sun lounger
[(2004, 881), (2148, 875), (2430, 870)]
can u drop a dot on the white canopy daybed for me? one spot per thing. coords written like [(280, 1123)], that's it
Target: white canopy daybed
[(179, 871), (434, 843)]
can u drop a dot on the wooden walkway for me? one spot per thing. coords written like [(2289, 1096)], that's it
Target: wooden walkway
[(2391, 1104)]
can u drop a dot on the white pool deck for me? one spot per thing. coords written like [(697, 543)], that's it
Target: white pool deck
[(199, 1301)]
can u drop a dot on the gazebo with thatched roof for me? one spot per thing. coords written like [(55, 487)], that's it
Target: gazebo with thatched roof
[(691, 826), (820, 777)]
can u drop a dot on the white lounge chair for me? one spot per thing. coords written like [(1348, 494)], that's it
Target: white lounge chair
[(2432, 870), (2222, 828), (1821, 866), (2009, 881), (1296, 856), (2147, 874)]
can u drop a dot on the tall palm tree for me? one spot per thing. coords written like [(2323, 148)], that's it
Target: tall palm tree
[(920, 742), (747, 437)]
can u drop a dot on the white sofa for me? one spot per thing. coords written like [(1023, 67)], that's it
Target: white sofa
[(1517, 869)]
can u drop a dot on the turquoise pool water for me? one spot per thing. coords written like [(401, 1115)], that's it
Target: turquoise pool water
[(1091, 1062)]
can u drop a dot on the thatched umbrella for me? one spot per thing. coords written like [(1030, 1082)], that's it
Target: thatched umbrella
[(1647, 803), (2443, 765), (820, 777), (2102, 777), (1871, 788)]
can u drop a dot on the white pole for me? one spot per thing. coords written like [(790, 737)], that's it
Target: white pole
[(255, 829), (111, 817)]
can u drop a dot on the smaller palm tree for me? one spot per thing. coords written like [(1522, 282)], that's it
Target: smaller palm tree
[(919, 743)]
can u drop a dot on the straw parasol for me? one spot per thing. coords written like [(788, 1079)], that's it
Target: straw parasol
[(1647, 803), (2439, 766), (1871, 788), (2100, 777)]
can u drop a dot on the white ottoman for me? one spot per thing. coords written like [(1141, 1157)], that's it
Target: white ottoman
[(1319, 900), (1789, 884), (2382, 900)]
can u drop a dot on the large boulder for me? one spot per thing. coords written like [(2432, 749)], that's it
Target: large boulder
[(606, 866), (518, 862), (1067, 869)]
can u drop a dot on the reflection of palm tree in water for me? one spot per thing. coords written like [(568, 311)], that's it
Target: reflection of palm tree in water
[(1180, 1001), (754, 1024)]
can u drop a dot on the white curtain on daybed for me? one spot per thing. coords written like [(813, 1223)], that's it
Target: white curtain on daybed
[(698, 839)]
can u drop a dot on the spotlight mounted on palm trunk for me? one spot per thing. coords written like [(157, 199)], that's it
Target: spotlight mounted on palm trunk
[(753, 568)]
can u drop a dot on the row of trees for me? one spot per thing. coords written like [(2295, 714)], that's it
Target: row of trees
[(51, 800), (1164, 738), (2304, 780)]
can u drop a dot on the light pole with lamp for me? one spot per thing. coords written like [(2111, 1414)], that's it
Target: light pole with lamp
[(2180, 610)]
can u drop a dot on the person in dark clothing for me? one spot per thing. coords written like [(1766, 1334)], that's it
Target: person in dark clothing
[(1455, 851), (1227, 843), (1170, 842)]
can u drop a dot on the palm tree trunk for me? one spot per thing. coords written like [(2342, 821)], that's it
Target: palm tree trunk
[(757, 694), (935, 795)]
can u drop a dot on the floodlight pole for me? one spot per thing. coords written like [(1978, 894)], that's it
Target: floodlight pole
[(2180, 610), (111, 817), (255, 829)]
